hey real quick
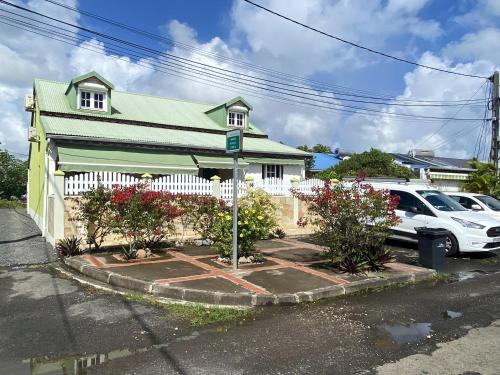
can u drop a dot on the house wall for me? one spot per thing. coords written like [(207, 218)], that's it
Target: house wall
[(447, 185), (37, 173), (289, 171)]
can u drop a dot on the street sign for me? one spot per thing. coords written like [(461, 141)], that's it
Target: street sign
[(234, 140)]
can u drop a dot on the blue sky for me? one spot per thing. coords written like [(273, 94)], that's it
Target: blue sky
[(459, 35)]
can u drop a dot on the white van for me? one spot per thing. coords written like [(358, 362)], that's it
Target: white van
[(478, 202), (424, 206)]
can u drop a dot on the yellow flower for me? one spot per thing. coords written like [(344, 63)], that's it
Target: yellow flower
[(239, 222), (241, 234), (228, 217), (253, 211), (246, 221), (220, 214), (260, 217), (246, 211)]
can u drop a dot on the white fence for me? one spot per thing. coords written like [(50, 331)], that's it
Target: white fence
[(184, 184), (226, 189)]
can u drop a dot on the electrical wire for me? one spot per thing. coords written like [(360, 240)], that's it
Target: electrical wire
[(361, 46), (319, 86), (281, 91), (428, 138)]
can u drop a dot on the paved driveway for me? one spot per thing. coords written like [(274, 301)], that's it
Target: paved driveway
[(21, 242)]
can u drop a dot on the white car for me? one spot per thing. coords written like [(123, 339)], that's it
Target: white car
[(478, 202), (424, 206)]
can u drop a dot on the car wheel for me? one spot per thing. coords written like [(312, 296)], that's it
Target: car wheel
[(451, 246)]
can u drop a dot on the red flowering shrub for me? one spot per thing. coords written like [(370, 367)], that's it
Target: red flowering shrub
[(352, 221), (200, 212), (143, 217)]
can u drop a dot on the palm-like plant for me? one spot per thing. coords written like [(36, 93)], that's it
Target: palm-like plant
[(484, 180)]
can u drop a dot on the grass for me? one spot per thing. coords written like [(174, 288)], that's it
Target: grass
[(441, 276), (7, 203), (196, 314)]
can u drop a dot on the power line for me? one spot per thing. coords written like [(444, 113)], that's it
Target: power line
[(428, 138), (362, 47), (332, 107), (225, 72), (319, 86)]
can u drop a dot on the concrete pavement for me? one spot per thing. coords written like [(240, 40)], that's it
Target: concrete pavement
[(52, 325)]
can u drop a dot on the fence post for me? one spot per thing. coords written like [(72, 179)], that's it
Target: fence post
[(146, 177), (249, 181), (295, 182), (216, 187), (58, 205)]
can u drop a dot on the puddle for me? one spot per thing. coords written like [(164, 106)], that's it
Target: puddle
[(78, 363), (409, 333), (467, 275), (448, 314)]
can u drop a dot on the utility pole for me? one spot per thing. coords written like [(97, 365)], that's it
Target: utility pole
[(495, 107)]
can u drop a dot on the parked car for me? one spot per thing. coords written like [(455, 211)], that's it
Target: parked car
[(478, 202), (424, 206)]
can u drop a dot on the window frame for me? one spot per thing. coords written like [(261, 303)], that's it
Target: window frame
[(236, 120), (93, 100), (418, 203), (276, 171)]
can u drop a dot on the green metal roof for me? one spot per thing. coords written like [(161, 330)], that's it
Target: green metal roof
[(134, 107), (139, 134), (275, 161), (90, 158), (218, 162), (83, 77)]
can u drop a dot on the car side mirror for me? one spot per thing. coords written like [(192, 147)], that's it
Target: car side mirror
[(476, 207), (414, 210)]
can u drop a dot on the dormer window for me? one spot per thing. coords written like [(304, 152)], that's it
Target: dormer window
[(236, 119), (92, 100)]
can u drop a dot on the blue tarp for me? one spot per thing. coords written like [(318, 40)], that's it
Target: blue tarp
[(324, 161)]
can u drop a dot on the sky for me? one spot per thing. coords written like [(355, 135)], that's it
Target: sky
[(456, 35)]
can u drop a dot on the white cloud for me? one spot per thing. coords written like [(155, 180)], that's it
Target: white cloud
[(271, 42), (279, 43)]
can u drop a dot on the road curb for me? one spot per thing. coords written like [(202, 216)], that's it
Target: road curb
[(241, 299)]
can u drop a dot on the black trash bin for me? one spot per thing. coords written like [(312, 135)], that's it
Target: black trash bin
[(431, 247)]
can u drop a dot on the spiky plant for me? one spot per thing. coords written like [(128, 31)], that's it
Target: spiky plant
[(69, 246)]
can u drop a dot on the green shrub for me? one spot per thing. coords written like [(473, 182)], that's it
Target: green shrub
[(143, 217), (69, 246), (93, 210), (352, 221), (200, 213), (256, 219)]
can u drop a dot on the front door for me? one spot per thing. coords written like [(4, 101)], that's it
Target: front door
[(409, 218)]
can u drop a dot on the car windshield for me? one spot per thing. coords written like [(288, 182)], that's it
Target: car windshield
[(441, 201), (491, 202)]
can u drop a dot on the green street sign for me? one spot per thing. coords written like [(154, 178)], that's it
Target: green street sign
[(234, 140)]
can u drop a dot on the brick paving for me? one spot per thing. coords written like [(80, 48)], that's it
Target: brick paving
[(290, 266)]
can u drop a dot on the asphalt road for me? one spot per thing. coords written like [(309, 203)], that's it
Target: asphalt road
[(52, 325), (20, 240)]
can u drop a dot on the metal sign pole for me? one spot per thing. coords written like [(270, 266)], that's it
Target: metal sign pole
[(235, 211)]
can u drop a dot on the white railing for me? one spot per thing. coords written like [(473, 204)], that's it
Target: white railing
[(274, 186), (79, 183), (226, 189), (306, 186), (183, 184)]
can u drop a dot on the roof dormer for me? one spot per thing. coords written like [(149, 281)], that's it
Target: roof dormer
[(90, 93), (232, 114)]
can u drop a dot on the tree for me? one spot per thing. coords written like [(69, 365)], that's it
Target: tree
[(483, 181), (13, 175), (373, 163)]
